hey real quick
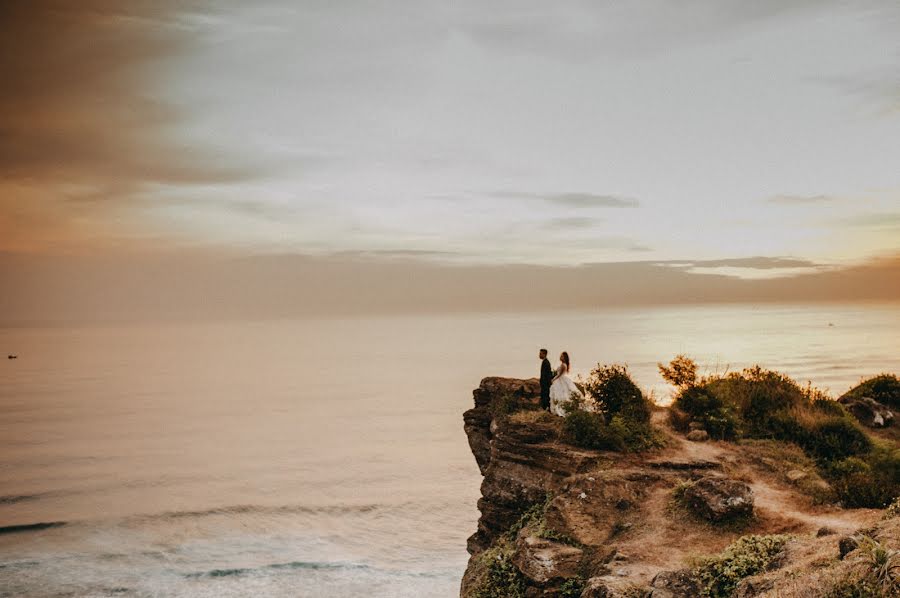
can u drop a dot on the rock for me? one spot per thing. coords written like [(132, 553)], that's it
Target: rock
[(719, 499), (544, 561), (606, 587), (675, 584), (696, 426), (795, 475), (825, 531), (868, 411), (846, 545), (698, 436)]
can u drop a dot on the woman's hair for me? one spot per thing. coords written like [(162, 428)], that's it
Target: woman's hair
[(564, 357)]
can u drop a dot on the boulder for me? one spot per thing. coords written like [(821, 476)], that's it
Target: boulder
[(719, 499), (675, 584), (698, 436), (606, 587), (868, 411), (795, 475), (846, 545), (545, 561)]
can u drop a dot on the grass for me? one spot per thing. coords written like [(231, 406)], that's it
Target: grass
[(623, 423), (781, 459), (535, 518), (884, 388), (762, 404), (720, 575), (500, 577)]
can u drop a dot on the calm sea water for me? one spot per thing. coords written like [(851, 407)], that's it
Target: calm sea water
[(316, 458)]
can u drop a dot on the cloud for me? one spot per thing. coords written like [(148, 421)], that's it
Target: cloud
[(573, 199), (755, 263), (571, 223), (877, 220), (81, 102), (798, 200), (193, 286)]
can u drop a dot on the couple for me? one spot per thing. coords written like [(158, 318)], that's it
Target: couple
[(559, 390)]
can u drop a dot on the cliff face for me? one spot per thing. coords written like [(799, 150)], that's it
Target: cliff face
[(558, 520)]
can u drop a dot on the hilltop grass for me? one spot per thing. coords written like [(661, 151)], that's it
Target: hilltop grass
[(762, 404)]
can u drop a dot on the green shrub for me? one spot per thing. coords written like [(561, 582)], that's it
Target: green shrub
[(879, 565), (834, 438), (893, 509), (501, 579), (589, 430), (681, 372), (718, 419), (505, 405), (854, 588), (535, 518), (613, 388), (873, 481), (571, 588), (884, 388), (762, 404), (749, 555)]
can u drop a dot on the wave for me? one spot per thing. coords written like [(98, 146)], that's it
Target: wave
[(30, 527), (290, 565), (269, 510), (11, 499)]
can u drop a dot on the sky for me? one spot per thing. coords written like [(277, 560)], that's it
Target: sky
[(749, 140)]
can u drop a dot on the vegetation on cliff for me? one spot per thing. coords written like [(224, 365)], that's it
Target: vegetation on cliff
[(623, 424), (749, 555), (574, 507), (884, 388), (758, 403)]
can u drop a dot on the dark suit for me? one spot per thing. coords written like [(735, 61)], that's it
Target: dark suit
[(546, 379)]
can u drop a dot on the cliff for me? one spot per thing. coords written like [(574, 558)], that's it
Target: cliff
[(559, 520)]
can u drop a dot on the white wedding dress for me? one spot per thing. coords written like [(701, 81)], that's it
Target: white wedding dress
[(562, 391)]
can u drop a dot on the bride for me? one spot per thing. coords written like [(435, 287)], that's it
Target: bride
[(563, 390)]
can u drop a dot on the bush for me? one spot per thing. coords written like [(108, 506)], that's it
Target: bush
[(879, 565), (589, 430), (762, 404), (717, 418), (893, 509), (681, 372), (749, 555), (612, 387), (535, 517), (505, 405), (884, 388), (871, 482), (571, 588), (501, 579), (854, 588), (834, 438)]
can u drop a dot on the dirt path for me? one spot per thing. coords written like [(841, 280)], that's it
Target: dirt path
[(774, 499)]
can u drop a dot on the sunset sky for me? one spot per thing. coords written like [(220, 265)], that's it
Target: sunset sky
[(743, 138)]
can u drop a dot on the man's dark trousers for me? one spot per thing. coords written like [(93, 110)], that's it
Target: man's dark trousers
[(546, 378)]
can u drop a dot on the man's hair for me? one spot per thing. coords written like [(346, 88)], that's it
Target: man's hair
[(543, 351)]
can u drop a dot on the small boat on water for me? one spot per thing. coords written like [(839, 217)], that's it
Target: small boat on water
[(12, 356)]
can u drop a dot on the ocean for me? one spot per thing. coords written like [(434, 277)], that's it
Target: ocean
[(319, 458)]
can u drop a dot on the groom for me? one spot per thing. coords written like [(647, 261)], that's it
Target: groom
[(546, 379)]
